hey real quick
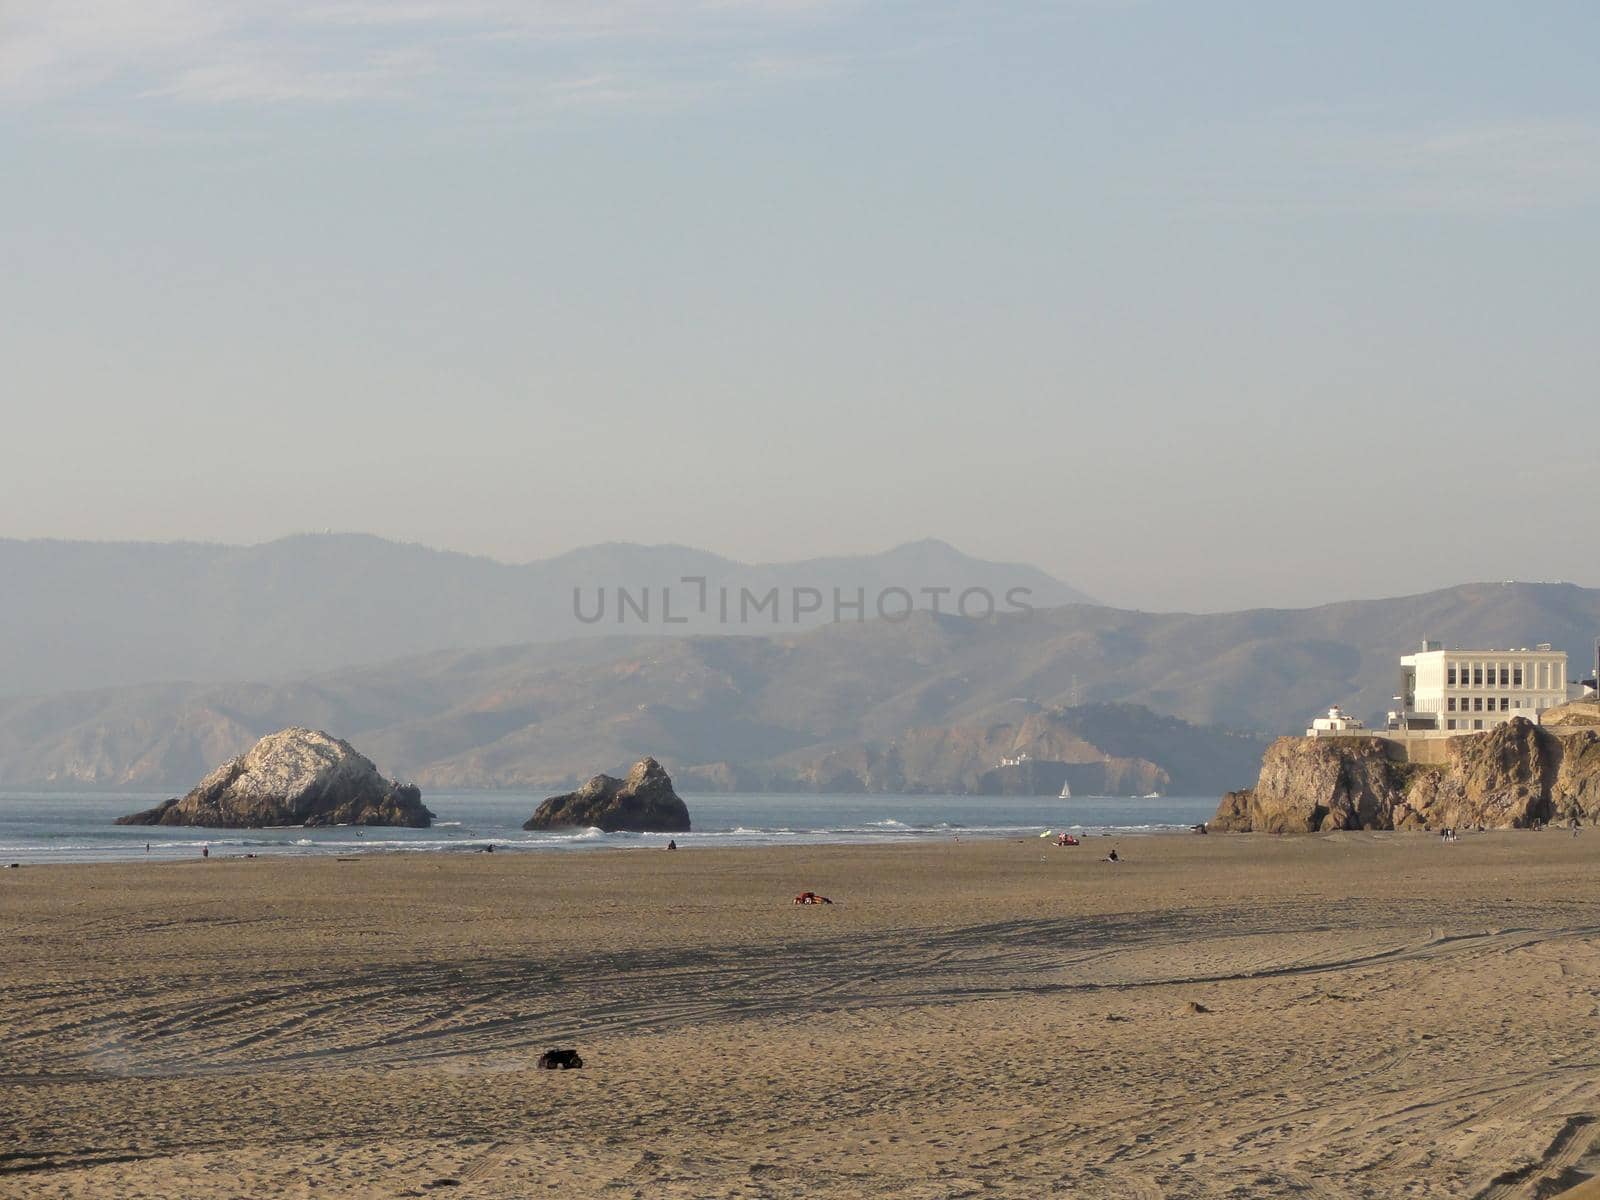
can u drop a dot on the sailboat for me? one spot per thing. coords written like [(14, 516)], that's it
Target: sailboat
[(1066, 791)]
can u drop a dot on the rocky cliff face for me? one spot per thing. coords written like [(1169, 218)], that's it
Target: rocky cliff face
[(1501, 779), (294, 777), (1099, 749), (644, 802), (1307, 785), (1576, 792), (1577, 713), (1506, 778)]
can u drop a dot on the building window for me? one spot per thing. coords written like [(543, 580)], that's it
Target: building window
[(1477, 724), (1450, 704), (1505, 676), (1450, 724), (1505, 704), (1450, 676), (1477, 676), (1477, 704), (1516, 675)]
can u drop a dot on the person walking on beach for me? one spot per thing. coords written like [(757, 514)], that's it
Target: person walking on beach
[(205, 851)]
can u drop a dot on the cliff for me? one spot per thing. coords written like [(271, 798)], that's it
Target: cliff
[(1506, 778), (1099, 749), (1307, 785), (644, 802), (1576, 713), (293, 777)]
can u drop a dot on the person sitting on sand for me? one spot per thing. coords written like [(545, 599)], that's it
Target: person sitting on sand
[(1112, 857)]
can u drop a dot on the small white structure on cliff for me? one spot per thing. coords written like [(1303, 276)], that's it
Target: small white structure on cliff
[(1464, 691), (1337, 721)]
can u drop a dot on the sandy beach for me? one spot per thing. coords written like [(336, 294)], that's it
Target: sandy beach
[(1347, 1015)]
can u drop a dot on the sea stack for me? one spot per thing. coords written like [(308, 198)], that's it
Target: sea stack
[(644, 802), (293, 777)]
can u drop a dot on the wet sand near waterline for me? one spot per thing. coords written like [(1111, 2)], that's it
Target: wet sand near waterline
[(1384, 1016)]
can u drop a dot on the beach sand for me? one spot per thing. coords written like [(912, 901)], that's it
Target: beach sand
[(1346, 1015)]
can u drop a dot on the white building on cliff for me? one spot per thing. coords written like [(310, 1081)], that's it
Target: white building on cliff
[(1337, 721), (1470, 690)]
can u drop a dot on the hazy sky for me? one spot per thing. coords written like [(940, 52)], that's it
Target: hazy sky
[(1192, 304)]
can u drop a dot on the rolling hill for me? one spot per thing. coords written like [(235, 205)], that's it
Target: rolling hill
[(930, 702), (102, 614)]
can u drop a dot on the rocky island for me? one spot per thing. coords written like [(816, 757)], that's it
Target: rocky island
[(1510, 777), (293, 777), (644, 802)]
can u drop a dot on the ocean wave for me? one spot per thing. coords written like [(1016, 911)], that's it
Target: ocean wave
[(44, 829)]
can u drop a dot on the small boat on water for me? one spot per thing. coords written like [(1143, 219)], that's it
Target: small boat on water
[(1066, 792)]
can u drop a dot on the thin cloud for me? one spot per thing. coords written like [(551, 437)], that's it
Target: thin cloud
[(265, 79), (262, 52)]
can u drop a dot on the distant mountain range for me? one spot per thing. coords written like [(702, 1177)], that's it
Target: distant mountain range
[(932, 702), (98, 614)]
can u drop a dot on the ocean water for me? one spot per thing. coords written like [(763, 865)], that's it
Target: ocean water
[(77, 827)]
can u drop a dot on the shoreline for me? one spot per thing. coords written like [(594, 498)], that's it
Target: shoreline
[(476, 847), (1092, 846), (226, 848), (41, 830)]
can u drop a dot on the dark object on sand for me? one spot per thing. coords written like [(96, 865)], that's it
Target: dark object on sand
[(293, 777), (1200, 828), (560, 1060), (14, 866), (644, 802), (811, 898), (672, 844)]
